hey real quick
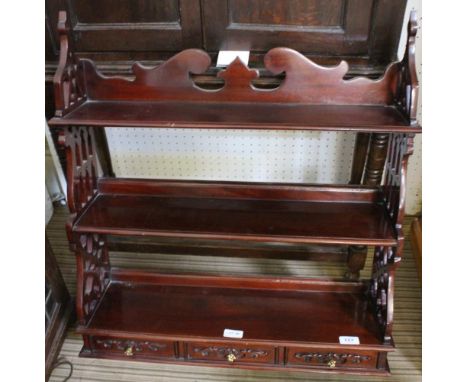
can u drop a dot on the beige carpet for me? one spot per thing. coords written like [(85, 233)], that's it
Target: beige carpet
[(405, 362)]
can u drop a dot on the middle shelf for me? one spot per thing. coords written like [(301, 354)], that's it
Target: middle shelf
[(285, 213)]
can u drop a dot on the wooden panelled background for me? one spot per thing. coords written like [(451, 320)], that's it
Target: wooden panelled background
[(367, 31)]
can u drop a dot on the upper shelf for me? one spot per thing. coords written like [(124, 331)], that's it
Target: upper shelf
[(310, 96), (239, 116)]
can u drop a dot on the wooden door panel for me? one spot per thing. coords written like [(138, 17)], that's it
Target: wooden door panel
[(287, 13), (335, 27), (130, 11), (132, 26)]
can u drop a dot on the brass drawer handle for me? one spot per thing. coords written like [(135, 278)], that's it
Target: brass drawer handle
[(231, 357), (332, 363), (129, 351)]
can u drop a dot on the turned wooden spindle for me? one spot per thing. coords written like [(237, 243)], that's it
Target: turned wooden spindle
[(370, 154), (376, 159)]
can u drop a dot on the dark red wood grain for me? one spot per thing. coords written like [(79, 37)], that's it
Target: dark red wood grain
[(305, 284), (238, 218), (305, 82), (264, 315), (239, 190), (237, 116)]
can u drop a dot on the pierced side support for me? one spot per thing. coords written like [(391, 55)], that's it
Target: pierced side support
[(386, 259), (93, 273), (382, 289), (396, 168), (68, 84), (83, 169), (408, 86)]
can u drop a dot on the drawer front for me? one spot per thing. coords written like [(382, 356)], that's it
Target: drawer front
[(332, 358), (134, 348), (231, 353)]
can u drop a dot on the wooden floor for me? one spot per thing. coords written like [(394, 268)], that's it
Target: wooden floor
[(405, 362)]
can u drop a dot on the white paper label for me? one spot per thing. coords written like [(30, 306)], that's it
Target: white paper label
[(345, 340), (225, 57), (230, 333)]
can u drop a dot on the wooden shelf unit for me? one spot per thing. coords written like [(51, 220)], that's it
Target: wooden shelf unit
[(288, 323)]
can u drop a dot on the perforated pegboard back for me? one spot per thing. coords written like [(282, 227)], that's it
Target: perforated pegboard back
[(247, 155)]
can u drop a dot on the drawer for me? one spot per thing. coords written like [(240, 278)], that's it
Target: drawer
[(332, 358), (231, 353), (133, 348)]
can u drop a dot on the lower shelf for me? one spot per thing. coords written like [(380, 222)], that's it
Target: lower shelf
[(286, 323)]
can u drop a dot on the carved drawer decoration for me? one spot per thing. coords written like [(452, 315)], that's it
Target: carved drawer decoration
[(332, 358), (231, 353), (131, 348)]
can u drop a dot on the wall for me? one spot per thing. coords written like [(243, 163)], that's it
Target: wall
[(414, 189)]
